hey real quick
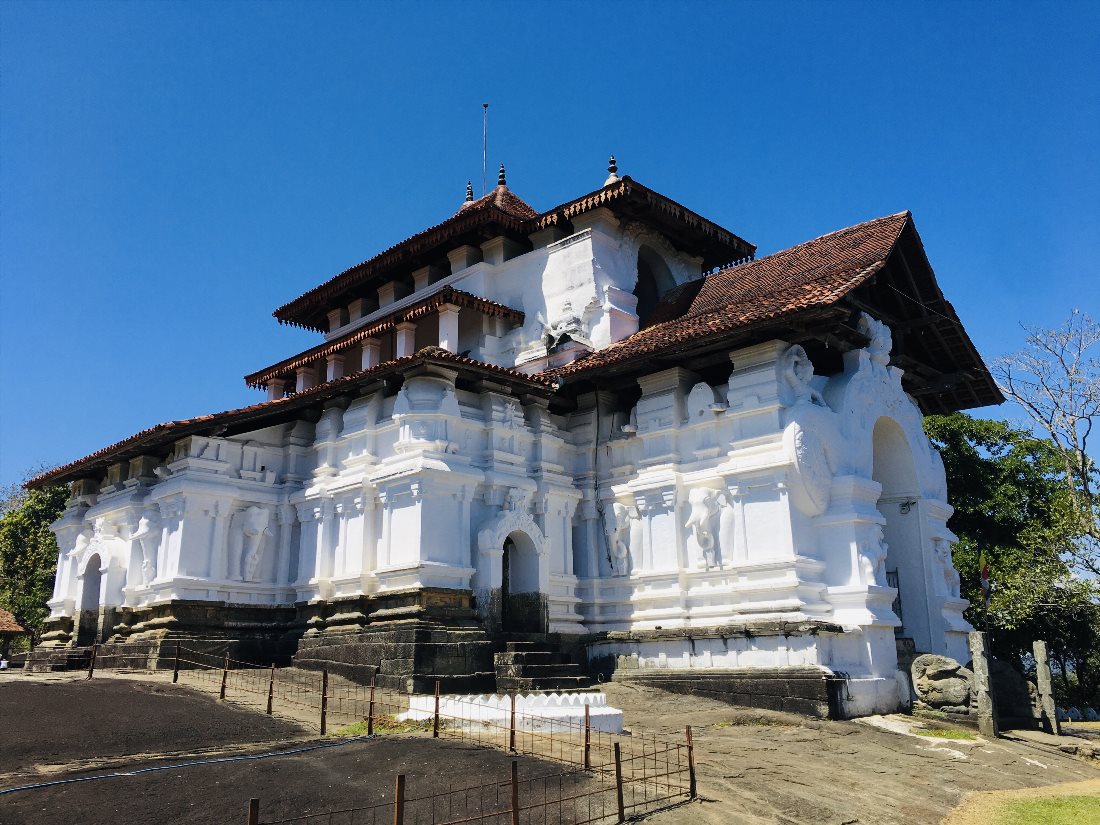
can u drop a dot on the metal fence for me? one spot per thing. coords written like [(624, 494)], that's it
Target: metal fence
[(607, 777)]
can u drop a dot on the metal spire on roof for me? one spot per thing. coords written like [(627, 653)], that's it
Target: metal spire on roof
[(501, 181), (469, 191), (612, 171)]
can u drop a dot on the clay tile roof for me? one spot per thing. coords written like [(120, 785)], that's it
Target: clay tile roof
[(446, 295), (259, 415), (503, 199), (813, 274), (8, 624)]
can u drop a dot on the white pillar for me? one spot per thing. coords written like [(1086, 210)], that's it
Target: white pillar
[(334, 367), (372, 353), (463, 257), (335, 319), (406, 340), (448, 327), (276, 388), (306, 377)]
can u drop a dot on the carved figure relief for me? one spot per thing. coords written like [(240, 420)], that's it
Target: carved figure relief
[(881, 339), (617, 518), (705, 505), (950, 575), (796, 373), (147, 536), (872, 559), (247, 531)]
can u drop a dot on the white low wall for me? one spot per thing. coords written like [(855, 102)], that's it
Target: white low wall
[(546, 712)]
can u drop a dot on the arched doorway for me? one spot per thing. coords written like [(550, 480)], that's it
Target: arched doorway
[(899, 505), (88, 623), (654, 280), (523, 608)]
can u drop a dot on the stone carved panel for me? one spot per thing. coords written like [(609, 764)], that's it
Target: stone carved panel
[(147, 535), (705, 506), (618, 520), (248, 532)]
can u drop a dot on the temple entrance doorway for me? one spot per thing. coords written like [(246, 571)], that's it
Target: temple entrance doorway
[(523, 609), (87, 631), (899, 505)]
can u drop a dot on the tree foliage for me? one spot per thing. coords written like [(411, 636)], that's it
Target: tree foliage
[(28, 551), (1056, 379), (1011, 501)]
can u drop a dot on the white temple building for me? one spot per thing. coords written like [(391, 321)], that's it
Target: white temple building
[(605, 431)]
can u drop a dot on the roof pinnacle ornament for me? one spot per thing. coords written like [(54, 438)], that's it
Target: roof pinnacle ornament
[(469, 191), (501, 181), (612, 172)]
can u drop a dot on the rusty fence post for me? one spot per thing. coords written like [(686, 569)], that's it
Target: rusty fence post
[(253, 811), (399, 801), (691, 763), (512, 725), (225, 675), (619, 783), (91, 662), (370, 709), (176, 665), (435, 720), (587, 738), (515, 792), (324, 700), (271, 690)]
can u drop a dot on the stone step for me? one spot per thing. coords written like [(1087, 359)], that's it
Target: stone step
[(546, 683), (529, 657)]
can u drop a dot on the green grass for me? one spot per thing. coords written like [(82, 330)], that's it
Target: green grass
[(1053, 810), (759, 722), (946, 734), (384, 726)]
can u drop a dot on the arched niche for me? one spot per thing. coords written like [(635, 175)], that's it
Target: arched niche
[(894, 468), (654, 280), (88, 622), (523, 607)]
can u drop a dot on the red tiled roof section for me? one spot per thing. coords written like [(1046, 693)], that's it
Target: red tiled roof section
[(170, 431), (8, 624), (503, 199), (447, 295), (814, 274)]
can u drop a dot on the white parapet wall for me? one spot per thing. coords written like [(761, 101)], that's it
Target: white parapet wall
[(545, 712)]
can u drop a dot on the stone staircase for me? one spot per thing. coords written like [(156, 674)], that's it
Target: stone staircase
[(536, 665)]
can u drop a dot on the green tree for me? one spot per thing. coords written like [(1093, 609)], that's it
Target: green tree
[(28, 551), (1011, 501)]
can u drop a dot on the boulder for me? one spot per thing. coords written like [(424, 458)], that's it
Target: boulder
[(941, 683)]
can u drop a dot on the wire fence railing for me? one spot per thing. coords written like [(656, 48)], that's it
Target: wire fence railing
[(607, 776)]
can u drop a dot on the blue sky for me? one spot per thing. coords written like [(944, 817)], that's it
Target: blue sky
[(172, 172)]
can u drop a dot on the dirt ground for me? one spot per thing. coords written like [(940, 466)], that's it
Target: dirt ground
[(48, 722), (41, 718), (754, 767), (758, 767)]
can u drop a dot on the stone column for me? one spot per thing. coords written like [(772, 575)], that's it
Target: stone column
[(1046, 689), (306, 377), (405, 343), (287, 517), (372, 353), (276, 388), (334, 366), (448, 327), (982, 685)]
